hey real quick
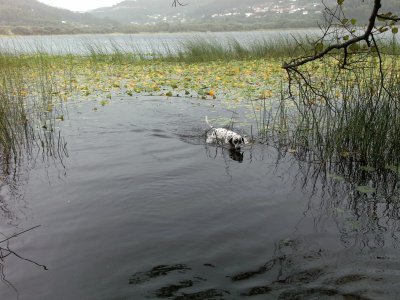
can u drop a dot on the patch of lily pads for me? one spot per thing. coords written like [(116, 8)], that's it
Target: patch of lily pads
[(232, 81)]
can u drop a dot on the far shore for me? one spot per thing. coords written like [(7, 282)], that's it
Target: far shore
[(284, 29)]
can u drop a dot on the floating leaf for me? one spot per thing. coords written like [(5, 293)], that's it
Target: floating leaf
[(365, 189), (394, 169), (367, 168), (355, 225), (338, 210), (336, 177), (103, 102), (266, 94), (391, 168), (345, 153)]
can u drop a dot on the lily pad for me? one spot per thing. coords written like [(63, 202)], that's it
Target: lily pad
[(365, 189), (367, 168), (393, 168), (354, 225), (336, 177)]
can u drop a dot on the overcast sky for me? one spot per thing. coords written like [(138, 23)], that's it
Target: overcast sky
[(80, 5)]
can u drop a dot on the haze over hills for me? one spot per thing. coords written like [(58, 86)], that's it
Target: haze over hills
[(153, 11), (305, 12), (130, 16), (21, 16)]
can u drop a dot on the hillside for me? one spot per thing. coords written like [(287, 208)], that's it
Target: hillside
[(130, 16), (251, 14), (155, 11), (31, 17)]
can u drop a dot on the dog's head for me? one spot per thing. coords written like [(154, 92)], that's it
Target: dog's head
[(236, 141)]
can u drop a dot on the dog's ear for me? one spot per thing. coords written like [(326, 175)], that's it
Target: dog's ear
[(231, 141), (242, 140)]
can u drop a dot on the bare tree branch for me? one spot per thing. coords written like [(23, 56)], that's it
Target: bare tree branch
[(388, 18), (345, 45), (177, 3)]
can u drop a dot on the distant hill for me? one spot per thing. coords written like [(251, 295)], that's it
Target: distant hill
[(242, 13), (155, 11), (130, 16), (31, 17)]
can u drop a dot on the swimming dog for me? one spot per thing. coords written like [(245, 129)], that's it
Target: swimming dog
[(225, 136)]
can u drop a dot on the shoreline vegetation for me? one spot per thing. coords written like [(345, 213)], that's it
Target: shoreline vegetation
[(25, 30), (350, 128)]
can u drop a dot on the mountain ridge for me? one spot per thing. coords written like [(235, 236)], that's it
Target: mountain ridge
[(24, 17)]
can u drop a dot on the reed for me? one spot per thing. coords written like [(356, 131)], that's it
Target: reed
[(347, 116), (28, 106), (195, 50), (354, 117)]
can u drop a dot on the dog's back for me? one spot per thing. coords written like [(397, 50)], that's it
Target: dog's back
[(225, 136)]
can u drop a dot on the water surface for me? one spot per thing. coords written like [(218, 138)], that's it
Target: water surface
[(142, 208)]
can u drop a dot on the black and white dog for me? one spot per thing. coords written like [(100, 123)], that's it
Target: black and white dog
[(225, 136)]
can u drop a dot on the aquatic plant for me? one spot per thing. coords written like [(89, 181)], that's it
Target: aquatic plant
[(28, 97), (195, 50), (336, 124)]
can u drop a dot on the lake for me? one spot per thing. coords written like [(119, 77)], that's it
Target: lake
[(138, 206)]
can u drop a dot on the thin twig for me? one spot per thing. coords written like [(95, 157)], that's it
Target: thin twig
[(17, 234)]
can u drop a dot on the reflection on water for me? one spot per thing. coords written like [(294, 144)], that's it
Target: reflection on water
[(46, 148), (147, 209), (216, 152), (364, 266), (6, 251)]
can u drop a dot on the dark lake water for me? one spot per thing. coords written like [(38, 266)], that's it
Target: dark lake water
[(142, 208)]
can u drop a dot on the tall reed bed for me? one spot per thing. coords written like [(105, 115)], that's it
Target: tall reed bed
[(14, 128), (345, 134), (195, 50), (28, 107), (206, 49), (202, 50), (349, 116)]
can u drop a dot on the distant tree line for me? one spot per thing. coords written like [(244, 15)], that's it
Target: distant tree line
[(211, 25)]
